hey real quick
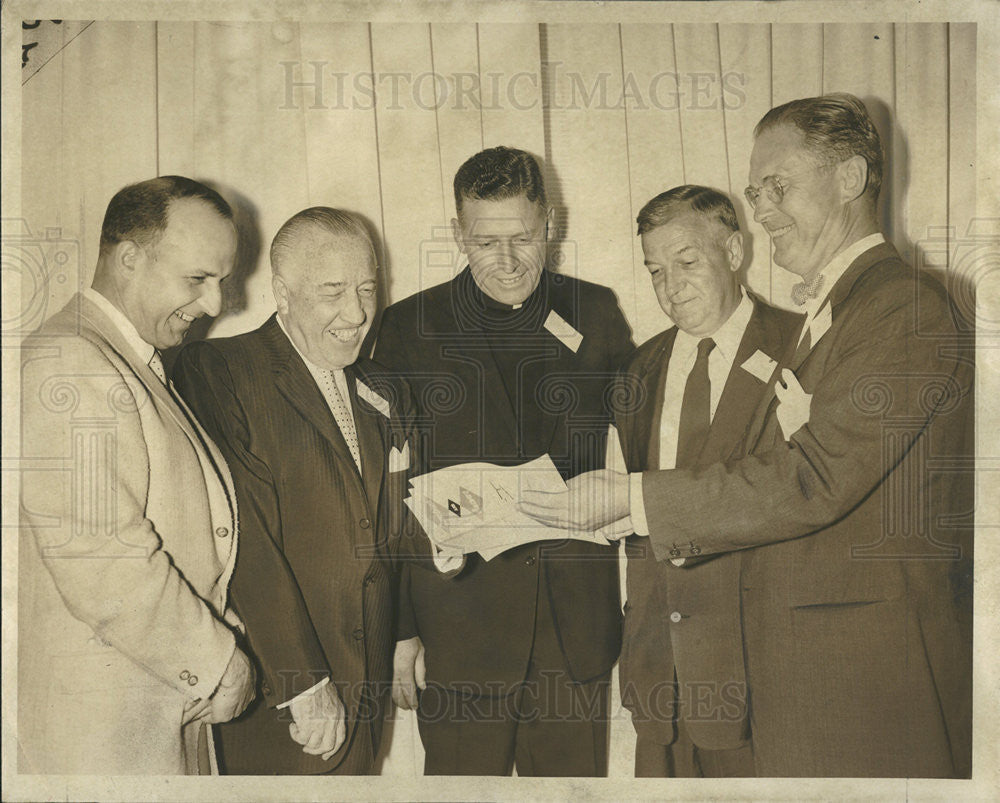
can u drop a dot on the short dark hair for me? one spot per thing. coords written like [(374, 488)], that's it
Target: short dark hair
[(496, 174), (687, 198), (335, 221), (836, 127), (138, 212)]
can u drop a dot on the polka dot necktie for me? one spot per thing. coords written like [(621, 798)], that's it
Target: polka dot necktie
[(343, 417), (156, 364)]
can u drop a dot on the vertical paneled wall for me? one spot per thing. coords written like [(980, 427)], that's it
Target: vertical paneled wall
[(376, 118)]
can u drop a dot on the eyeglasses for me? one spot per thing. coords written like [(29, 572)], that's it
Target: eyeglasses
[(773, 187)]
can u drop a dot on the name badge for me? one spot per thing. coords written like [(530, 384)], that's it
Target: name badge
[(370, 396), (760, 365), (563, 331)]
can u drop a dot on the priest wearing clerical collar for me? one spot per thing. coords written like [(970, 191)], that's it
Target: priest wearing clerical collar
[(509, 361)]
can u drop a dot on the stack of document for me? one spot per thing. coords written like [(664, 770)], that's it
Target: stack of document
[(472, 507)]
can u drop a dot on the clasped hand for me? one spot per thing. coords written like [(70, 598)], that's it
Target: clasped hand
[(320, 721), (591, 501), (231, 696)]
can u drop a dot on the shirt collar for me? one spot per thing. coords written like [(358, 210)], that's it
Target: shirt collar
[(121, 322), (316, 370), (837, 267), (727, 337)]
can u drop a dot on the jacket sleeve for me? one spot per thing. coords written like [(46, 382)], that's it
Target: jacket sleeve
[(785, 490), (264, 589), (84, 493)]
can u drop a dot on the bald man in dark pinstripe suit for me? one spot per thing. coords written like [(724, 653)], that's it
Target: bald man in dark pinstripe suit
[(316, 440)]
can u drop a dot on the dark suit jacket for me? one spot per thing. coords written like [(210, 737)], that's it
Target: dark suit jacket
[(856, 582), (706, 649), (495, 387), (313, 581)]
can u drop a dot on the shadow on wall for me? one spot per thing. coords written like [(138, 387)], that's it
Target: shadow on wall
[(248, 251), (939, 252)]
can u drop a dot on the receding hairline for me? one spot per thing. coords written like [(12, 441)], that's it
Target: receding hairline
[(317, 224), (718, 230), (309, 239)]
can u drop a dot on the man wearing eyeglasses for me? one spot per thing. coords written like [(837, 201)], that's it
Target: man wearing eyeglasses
[(851, 501)]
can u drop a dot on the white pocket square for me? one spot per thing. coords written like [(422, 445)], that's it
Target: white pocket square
[(794, 404), (399, 459)]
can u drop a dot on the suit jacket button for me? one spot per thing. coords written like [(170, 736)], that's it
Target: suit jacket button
[(185, 675), (193, 680), (265, 688), (529, 561), (222, 532), (695, 550), (675, 616), (365, 524), (369, 581), (359, 633), (675, 552)]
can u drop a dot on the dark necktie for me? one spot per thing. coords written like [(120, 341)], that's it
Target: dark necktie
[(696, 409)]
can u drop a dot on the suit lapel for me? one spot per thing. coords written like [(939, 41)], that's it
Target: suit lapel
[(370, 425), (736, 405), (838, 294), (556, 357), (653, 377), (151, 383), (294, 381)]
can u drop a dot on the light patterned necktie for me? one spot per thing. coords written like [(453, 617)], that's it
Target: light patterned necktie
[(156, 364), (803, 291), (343, 416)]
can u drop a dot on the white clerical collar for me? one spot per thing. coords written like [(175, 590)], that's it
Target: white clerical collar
[(121, 322), (727, 337), (837, 267)]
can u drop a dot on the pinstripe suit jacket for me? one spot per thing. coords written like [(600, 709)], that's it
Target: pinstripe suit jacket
[(313, 580)]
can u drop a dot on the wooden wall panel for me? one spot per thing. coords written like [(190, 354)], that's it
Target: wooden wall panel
[(589, 156), (409, 163), (746, 64), (655, 153)]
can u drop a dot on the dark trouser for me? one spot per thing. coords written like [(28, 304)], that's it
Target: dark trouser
[(684, 759), (547, 726)]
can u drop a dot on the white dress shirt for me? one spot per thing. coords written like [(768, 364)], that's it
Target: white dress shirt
[(834, 269), (682, 357), (122, 324)]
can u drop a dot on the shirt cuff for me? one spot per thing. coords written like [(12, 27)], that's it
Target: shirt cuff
[(637, 509), (306, 693)]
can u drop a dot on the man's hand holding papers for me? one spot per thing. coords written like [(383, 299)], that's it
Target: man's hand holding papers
[(474, 507)]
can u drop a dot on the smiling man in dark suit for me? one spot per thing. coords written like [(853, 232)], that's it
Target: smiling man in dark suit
[(509, 361), (852, 503), (695, 386), (315, 440)]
